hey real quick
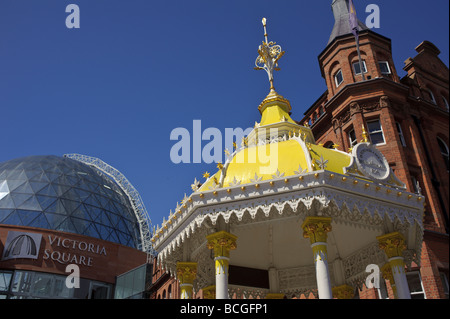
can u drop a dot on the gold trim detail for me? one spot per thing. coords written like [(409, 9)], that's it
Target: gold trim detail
[(222, 242), (393, 244), (316, 229)]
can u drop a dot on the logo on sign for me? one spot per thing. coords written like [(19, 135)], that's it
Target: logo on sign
[(22, 245)]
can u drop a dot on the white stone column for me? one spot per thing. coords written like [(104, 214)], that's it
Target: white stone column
[(222, 242), (316, 229), (222, 265), (398, 272), (393, 245)]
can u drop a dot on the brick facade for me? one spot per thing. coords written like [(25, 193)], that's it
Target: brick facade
[(413, 123)]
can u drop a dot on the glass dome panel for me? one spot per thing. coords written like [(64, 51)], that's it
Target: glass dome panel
[(62, 194)]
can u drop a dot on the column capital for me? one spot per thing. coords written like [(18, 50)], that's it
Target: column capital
[(343, 292), (186, 272), (316, 229), (222, 242), (393, 244)]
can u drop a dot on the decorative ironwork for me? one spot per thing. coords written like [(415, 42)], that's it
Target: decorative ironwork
[(133, 195), (269, 54)]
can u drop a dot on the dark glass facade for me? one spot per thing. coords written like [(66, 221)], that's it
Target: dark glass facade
[(58, 193)]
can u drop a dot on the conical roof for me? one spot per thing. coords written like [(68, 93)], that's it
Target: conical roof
[(341, 16)]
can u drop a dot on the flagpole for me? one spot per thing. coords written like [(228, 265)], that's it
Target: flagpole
[(353, 21), (359, 56)]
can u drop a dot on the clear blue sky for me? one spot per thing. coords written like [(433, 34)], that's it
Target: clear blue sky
[(137, 69)]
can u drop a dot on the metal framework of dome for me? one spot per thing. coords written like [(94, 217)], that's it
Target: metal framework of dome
[(135, 199)]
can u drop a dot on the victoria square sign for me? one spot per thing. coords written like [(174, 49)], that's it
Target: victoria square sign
[(76, 251), (62, 250)]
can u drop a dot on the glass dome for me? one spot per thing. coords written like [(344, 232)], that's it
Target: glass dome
[(59, 193)]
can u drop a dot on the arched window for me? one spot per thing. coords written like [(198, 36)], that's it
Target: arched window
[(170, 291), (164, 294), (430, 96), (444, 151), (445, 103)]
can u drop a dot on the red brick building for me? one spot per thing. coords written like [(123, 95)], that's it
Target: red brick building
[(406, 118)]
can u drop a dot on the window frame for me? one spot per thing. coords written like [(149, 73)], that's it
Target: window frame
[(416, 185), (386, 63), (445, 103), (431, 96), (412, 273), (357, 63), (336, 80), (382, 291), (354, 141), (445, 156), (376, 132), (400, 134), (445, 284)]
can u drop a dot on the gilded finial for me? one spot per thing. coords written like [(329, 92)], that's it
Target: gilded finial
[(264, 21), (206, 175), (269, 54)]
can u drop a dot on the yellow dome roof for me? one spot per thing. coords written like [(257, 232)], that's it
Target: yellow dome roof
[(277, 147), (277, 160)]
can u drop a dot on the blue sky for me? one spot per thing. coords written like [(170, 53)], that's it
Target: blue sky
[(136, 69)]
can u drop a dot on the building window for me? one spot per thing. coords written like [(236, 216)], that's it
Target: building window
[(321, 111), (376, 132), (329, 145), (339, 78), (5, 282), (400, 134), (444, 283), (445, 103), (384, 67), (382, 291), (352, 138), (444, 151), (416, 185), (415, 285), (357, 68), (430, 96)]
